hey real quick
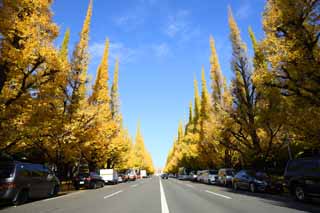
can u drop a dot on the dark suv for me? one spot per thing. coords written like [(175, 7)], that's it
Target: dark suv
[(20, 181), (302, 177)]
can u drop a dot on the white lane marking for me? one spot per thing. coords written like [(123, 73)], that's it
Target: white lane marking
[(220, 195), (62, 196), (164, 205), (189, 185), (111, 195), (135, 185)]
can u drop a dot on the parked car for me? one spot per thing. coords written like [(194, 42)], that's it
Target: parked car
[(164, 176), (109, 176), (132, 176), (200, 175), (225, 176), (123, 177), (193, 176), (256, 181), (302, 177), (210, 176), (21, 181), (88, 180)]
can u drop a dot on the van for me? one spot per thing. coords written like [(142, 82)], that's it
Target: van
[(302, 178), (20, 181)]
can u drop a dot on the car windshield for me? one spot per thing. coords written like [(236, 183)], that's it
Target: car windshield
[(213, 172), (83, 175), (230, 173), (6, 171)]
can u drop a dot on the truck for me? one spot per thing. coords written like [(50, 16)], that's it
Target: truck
[(143, 173), (109, 176)]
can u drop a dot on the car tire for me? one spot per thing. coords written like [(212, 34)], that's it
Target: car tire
[(21, 197), (235, 186), (55, 190), (252, 188), (299, 193)]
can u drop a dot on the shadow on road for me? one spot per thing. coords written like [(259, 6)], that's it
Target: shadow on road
[(283, 200), (4, 204)]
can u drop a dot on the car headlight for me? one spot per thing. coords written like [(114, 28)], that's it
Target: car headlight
[(260, 182)]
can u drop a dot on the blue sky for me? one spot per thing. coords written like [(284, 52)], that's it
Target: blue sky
[(162, 45)]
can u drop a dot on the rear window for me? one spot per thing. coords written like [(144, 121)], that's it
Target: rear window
[(6, 171), (304, 166), (213, 172)]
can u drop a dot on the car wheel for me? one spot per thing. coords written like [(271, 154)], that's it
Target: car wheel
[(299, 193), (94, 186), (252, 188), (235, 186), (54, 191), (21, 197)]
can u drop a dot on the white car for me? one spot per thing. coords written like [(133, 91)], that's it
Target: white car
[(212, 177)]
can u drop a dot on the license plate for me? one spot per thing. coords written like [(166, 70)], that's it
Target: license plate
[(81, 182)]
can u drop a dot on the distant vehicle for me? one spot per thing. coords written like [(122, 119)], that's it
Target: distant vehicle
[(110, 176), (213, 176), (122, 177), (143, 173), (193, 176), (132, 176), (183, 174), (164, 176), (225, 176), (302, 177), (256, 181), (20, 181), (201, 175), (88, 180)]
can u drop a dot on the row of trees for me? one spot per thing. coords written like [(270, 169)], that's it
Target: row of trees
[(272, 103), (46, 111)]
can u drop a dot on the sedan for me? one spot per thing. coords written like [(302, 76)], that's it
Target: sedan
[(255, 181)]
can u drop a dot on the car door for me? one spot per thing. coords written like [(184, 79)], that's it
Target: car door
[(312, 176), (244, 180)]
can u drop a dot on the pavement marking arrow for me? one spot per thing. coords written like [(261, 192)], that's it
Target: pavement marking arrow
[(111, 195), (220, 195), (164, 205)]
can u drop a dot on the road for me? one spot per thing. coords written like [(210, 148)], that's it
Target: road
[(163, 196)]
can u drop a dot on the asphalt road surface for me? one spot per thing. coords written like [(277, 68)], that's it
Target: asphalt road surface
[(163, 196)]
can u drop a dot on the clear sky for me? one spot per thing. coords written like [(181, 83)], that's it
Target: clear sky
[(162, 45)]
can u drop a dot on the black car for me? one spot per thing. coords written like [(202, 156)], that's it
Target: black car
[(255, 181), (88, 180), (164, 176), (21, 181), (302, 177)]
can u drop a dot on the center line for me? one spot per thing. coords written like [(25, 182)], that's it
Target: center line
[(220, 195), (113, 194), (164, 205)]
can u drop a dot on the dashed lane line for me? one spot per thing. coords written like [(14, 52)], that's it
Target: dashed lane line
[(217, 194), (113, 194)]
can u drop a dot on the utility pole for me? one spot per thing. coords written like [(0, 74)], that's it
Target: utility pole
[(287, 141)]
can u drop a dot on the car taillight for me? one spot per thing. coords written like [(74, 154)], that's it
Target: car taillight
[(8, 186)]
